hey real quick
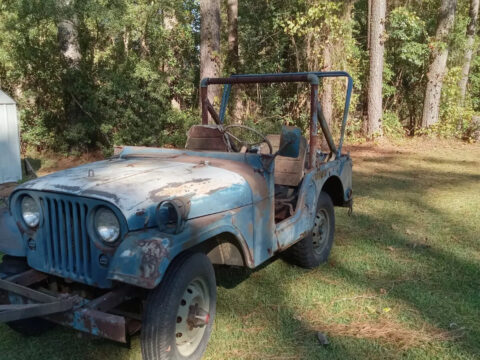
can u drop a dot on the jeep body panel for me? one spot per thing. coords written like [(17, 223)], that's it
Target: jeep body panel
[(137, 185)]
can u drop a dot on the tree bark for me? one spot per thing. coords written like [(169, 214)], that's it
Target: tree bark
[(210, 44), (232, 16), (68, 35), (373, 125), (467, 59), (233, 60), (170, 22), (436, 71)]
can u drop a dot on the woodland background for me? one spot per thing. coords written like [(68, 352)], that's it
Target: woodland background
[(94, 73)]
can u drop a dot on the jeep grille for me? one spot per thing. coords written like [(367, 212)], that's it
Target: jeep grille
[(66, 238)]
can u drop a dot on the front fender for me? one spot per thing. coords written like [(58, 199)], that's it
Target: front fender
[(11, 241), (144, 256)]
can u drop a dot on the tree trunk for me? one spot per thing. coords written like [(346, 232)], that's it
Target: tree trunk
[(210, 44), (233, 61), (232, 15), (170, 22), (467, 59), (68, 35), (436, 71), (377, 48)]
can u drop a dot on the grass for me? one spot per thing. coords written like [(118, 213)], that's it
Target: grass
[(403, 279)]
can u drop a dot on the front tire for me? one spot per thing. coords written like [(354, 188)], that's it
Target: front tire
[(315, 248), (179, 313)]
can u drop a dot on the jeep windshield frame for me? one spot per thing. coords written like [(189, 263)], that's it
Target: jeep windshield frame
[(316, 113)]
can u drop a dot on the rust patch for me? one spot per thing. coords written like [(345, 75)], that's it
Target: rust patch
[(153, 253), (194, 187), (140, 212), (257, 181)]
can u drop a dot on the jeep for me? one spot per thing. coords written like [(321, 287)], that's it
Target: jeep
[(126, 245)]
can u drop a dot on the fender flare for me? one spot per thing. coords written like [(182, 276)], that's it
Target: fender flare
[(143, 257)]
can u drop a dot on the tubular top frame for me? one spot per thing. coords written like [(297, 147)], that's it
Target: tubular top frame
[(305, 77)]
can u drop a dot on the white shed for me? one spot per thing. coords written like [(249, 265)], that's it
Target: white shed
[(10, 163)]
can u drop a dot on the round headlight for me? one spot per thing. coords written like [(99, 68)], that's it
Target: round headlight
[(30, 211), (107, 225)]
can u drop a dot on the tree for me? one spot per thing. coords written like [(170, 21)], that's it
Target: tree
[(232, 54), (471, 29), (376, 51), (437, 68), (233, 59), (68, 34), (210, 43)]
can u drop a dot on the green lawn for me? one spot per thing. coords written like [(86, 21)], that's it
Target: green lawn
[(403, 280)]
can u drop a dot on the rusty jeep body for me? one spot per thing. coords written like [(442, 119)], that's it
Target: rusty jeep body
[(118, 246)]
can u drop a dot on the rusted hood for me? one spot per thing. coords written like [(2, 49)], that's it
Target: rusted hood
[(137, 185)]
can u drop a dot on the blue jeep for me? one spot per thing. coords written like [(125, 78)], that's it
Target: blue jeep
[(127, 244)]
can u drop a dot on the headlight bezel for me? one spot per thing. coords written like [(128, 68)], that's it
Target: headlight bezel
[(97, 211), (21, 212), (166, 212)]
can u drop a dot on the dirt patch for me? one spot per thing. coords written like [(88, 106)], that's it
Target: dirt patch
[(6, 189), (55, 163)]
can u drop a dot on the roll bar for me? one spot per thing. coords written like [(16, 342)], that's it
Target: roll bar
[(316, 113)]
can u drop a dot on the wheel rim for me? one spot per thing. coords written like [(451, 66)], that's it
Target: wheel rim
[(192, 316), (320, 232)]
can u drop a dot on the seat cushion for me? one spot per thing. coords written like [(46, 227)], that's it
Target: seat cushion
[(288, 171), (206, 137)]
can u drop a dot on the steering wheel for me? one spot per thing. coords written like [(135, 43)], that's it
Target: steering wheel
[(245, 143)]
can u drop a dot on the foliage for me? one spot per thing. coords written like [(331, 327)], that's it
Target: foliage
[(137, 78), (391, 125), (406, 59), (132, 66)]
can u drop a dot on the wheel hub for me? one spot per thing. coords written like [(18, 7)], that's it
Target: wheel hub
[(192, 317), (197, 317)]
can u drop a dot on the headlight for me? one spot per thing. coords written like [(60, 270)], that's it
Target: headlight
[(107, 225), (30, 211)]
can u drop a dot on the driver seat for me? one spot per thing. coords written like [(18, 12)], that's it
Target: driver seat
[(288, 171), (206, 137)]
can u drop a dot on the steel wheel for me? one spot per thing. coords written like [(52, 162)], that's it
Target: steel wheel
[(320, 231), (314, 249), (192, 316), (179, 313)]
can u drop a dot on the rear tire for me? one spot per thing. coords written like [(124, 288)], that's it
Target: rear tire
[(179, 313), (315, 248)]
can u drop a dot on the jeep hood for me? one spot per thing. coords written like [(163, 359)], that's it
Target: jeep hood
[(137, 185)]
